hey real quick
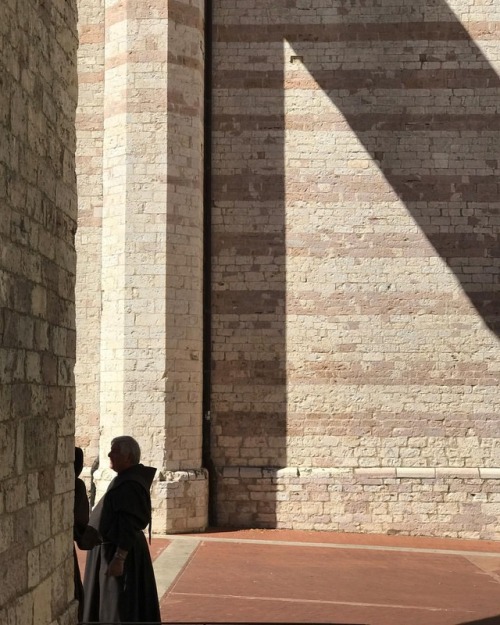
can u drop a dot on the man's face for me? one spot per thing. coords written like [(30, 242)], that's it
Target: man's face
[(118, 461)]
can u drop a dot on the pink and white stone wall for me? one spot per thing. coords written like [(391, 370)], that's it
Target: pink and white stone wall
[(355, 264)]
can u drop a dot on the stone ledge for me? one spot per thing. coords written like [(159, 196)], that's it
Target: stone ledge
[(185, 475), (361, 472), (376, 472), (460, 472), (487, 473), (416, 472), (285, 472)]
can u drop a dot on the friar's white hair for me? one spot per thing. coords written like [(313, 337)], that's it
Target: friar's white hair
[(128, 445)]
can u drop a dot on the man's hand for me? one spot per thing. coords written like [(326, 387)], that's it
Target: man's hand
[(89, 538), (115, 568)]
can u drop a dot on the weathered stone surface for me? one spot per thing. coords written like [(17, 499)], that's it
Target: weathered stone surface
[(37, 269)]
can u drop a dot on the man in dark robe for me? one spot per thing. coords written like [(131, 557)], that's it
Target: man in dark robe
[(119, 583), (80, 520)]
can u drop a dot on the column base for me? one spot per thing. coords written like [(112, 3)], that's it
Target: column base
[(179, 498), (180, 502)]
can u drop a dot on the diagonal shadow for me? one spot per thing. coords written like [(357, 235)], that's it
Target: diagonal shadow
[(427, 113), (422, 99)]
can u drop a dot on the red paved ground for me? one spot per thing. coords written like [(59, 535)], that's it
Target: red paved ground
[(259, 576), (249, 582)]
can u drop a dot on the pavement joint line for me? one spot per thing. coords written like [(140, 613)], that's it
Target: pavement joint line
[(325, 601), (286, 543), (171, 562)]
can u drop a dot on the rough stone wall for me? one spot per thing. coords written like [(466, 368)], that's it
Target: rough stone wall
[(356, 265), (38, 92)]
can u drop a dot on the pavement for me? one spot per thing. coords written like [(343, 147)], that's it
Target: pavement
[(288, 576)]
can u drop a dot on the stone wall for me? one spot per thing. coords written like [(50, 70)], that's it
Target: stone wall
[(89, 162), (38, 92), (446, 502), (356, 265), (140, 244)]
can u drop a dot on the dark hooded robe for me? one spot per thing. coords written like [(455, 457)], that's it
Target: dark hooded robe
[(80, 520), (120, 517)]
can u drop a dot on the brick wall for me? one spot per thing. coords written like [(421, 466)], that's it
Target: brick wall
[(355, 259), (456, 503), (38, 92), (355, 237)]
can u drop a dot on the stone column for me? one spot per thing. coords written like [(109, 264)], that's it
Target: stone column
[(90, 131), (152, 246)]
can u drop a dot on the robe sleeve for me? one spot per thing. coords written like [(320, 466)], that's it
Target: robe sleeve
[(131, 510), (81, 509)]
